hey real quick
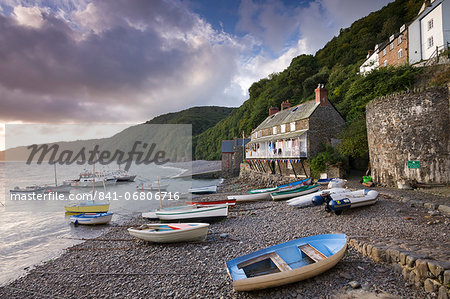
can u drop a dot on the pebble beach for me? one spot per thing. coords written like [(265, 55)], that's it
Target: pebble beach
[(116, 265)]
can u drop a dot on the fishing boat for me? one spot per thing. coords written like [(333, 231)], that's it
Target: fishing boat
[(91, 218), (287, 262), (203, 190), (152, 187), (88, 206), (93, 179), (307, 200), (280, 195), (325, 181), (194, 212), (123, 176), (171, 232), (27, 189), (230, 202), (264, 194)]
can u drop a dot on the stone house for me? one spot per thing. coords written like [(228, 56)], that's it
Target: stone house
[(429, 33), (291, 135), (232, 155)]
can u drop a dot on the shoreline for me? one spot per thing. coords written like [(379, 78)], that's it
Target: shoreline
[(117, 265)]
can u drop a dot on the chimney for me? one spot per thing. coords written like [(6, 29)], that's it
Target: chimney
[(285, 105), (321, 95), (273, 110)]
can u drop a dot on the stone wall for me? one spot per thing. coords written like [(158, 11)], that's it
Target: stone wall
[(410, 126), (324, 124)]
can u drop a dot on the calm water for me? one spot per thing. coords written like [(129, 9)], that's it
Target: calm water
[(35, 231)]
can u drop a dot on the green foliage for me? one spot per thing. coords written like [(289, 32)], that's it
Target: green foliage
[(354, 138), (336, 65), (329, 156)]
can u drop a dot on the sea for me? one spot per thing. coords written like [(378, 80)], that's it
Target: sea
[(34, 231)]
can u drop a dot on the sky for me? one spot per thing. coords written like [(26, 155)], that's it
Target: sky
[(127, 61)]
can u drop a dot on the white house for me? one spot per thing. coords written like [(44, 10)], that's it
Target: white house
[(430, 31), (371, 62)]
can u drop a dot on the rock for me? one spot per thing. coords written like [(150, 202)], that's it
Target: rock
[(435, 268), (421, 269), (403, 256), (378, 254), (430, 285), (444, 209), (397, 268), (354, 284), (443, 293), (410, 260), (431, 206), (223, 235)]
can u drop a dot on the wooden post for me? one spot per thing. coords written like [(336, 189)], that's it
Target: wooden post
[(264, 170), (304, 170), (293, 168), (279, 167)]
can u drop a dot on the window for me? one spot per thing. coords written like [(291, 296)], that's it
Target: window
[(385, 63), (391, 46), (400, 53), (430, 24), (430, 42), (274, 130), (384, 52), (399, 39), (283, 128), (293, 126)]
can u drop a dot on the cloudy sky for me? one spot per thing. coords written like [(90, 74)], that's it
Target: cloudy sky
[(126, 61)]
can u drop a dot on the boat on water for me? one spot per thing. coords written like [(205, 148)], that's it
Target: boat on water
[(123, 176), (287, 262), (65, 188), (203, 190), (264, 194), (171, 232), (152, 187), (27, 189), (91, 218), (280, 195), (194, 212), (93, 179), (88, 206)]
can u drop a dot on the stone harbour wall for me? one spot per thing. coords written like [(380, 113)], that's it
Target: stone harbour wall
[(410, 126)]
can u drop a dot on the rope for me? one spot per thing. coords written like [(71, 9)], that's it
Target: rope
[(32, 292)]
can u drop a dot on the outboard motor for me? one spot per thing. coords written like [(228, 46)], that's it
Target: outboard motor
[(322, 198), (339, 205)]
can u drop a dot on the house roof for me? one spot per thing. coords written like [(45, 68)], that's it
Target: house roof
[(285, 116)]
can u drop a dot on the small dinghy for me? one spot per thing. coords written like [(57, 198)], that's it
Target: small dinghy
[(287, 262), (91, 218), (307, 200), (264, 194), (280, 195), (171, 232), (339, 202), (203, 190), (194, 212)]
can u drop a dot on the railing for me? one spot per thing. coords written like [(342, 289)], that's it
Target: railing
[(434, 58), (271, 154)]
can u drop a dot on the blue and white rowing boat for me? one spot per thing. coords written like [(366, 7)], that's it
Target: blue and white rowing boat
[(91, 218), (287, 262)]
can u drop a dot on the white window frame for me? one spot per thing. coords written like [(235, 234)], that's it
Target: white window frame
[(391, 46), (399, 40), (430, 24), (292, 126), (274, 130), (400, 53), (430, 42), (385, 63), (283, 128), (384, 52)]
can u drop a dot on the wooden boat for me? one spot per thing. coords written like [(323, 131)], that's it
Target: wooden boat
[(230, 202), (87, 207), (204, 190), (171, 232), (194, 212), (91, 218), (264, 194), (307, 200), (287, 262), (280, 195)]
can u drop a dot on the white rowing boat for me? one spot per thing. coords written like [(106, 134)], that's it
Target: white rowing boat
[(91, 218), (194, 212), (171, 232)]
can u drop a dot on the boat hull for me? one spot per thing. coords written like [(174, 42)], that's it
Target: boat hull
[(86, 219), (206, 213), (230, 202), (286, 276), (197, 232), (250, 197), (89, 208), (203, 190), (290, 194), (306, 200)]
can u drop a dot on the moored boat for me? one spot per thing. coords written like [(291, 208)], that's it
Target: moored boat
[(171, 232), (152, 187), (280, 195), (203, 190), (88, 206), (27, 189), (230, 202), (194, 212), (287, 262), (325, 181), (91, 218)]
